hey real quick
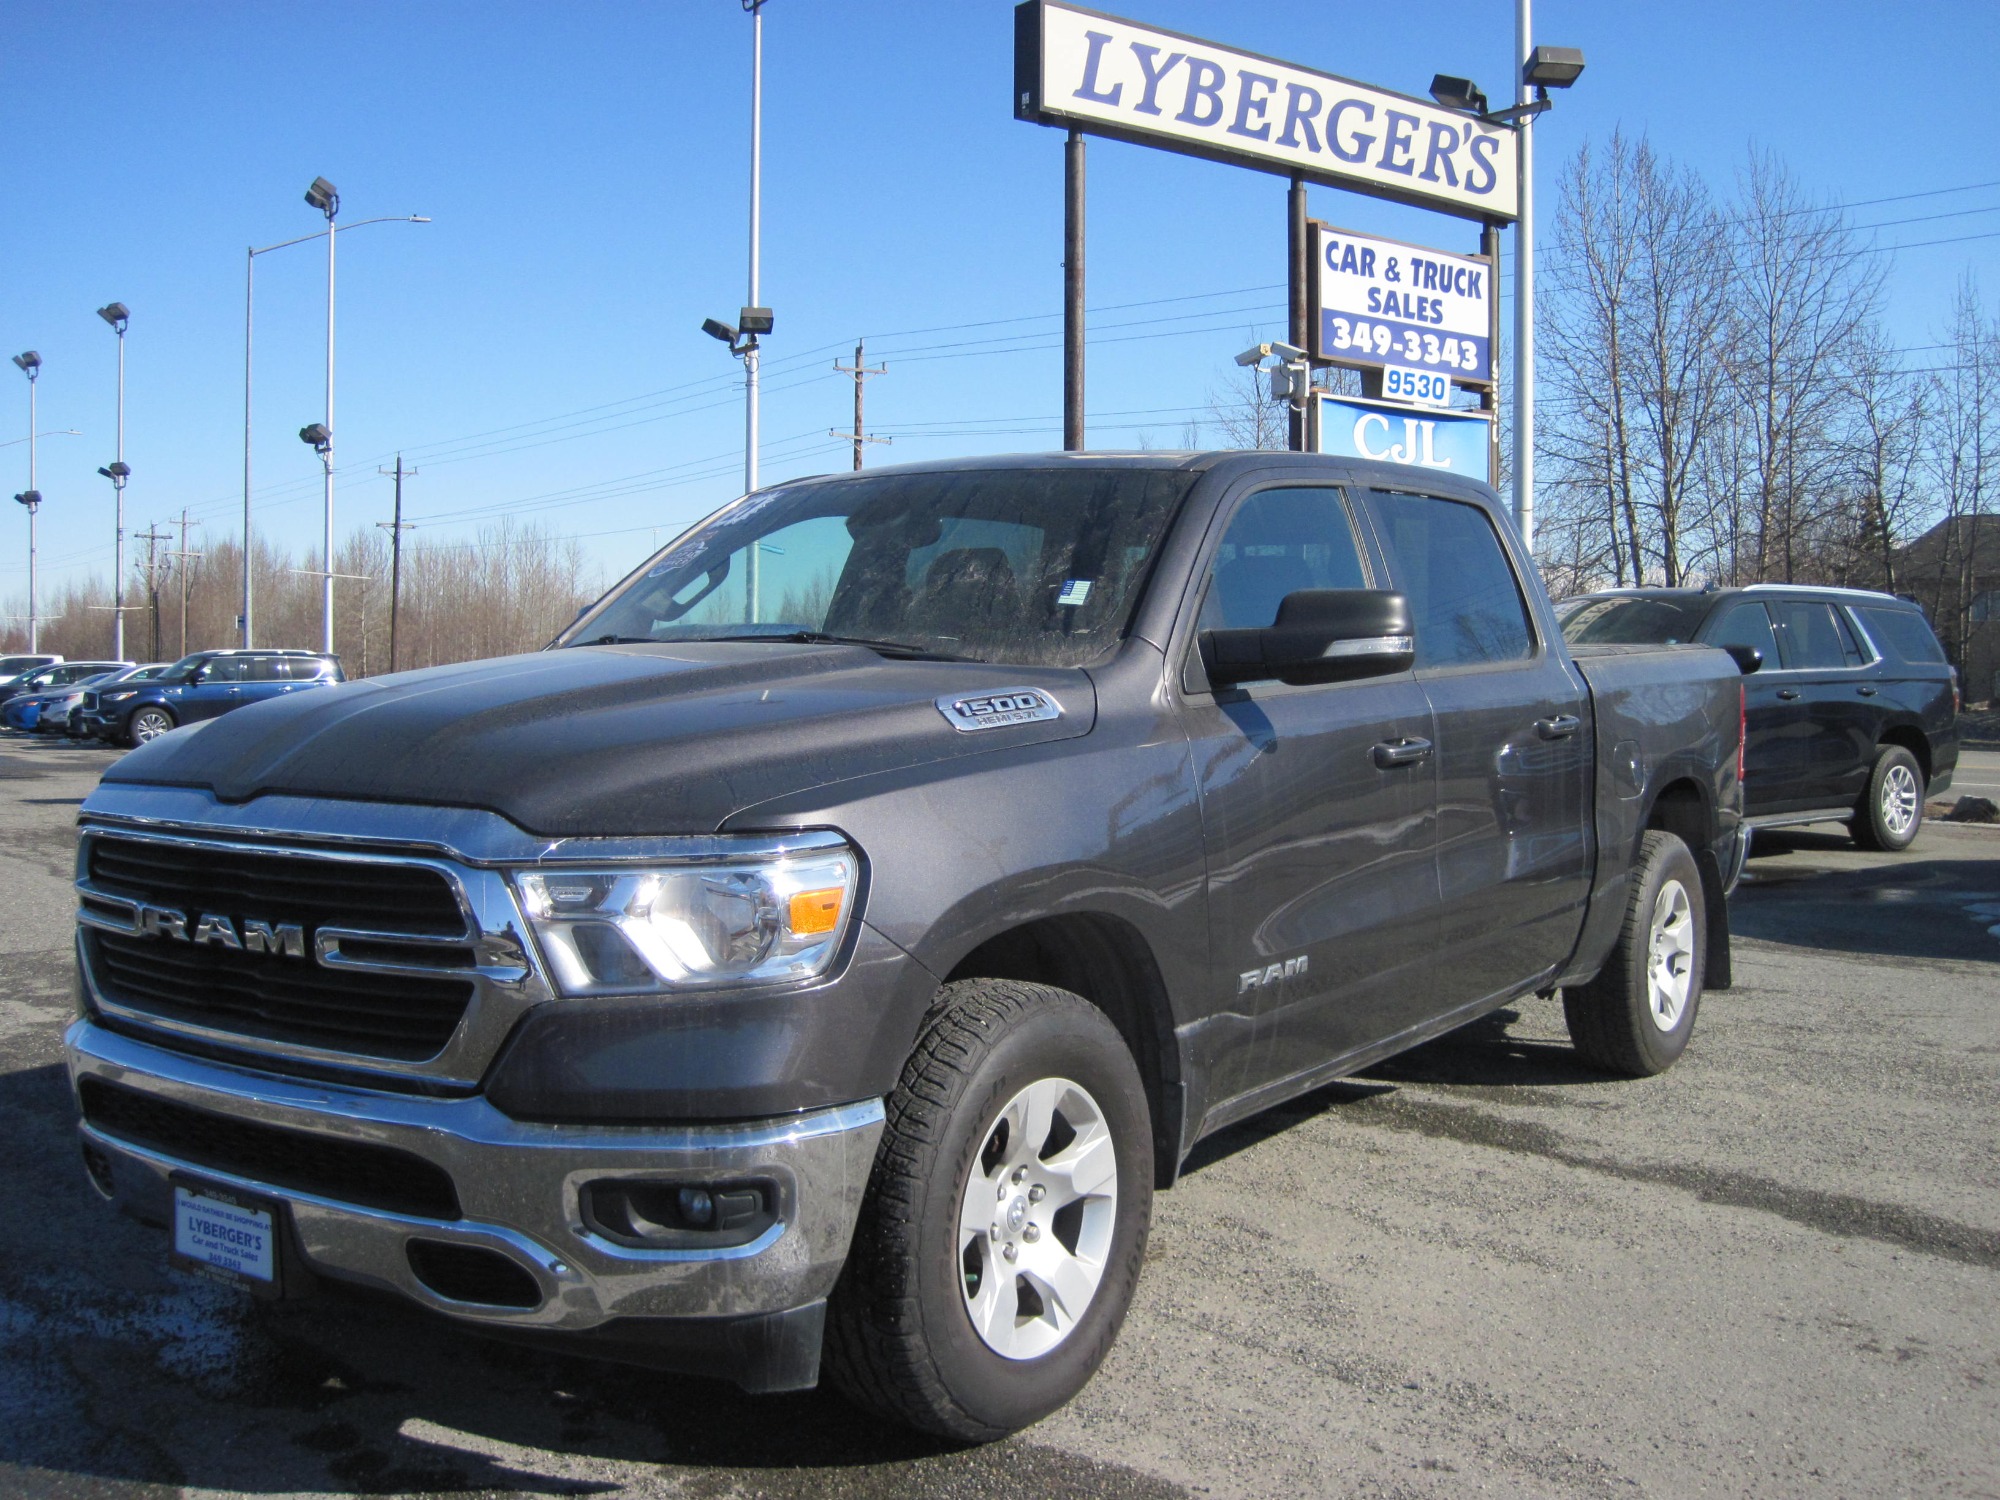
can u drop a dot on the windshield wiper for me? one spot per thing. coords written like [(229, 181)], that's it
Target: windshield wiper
[(902, 650), (619, 640)]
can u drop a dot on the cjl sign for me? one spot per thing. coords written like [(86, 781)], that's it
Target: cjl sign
[(1455, 442), (1380, 303), (1133, 82)]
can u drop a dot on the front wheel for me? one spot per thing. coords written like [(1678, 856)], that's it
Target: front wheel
[(1636, 1016), (149, 724), (1005, 1220), (1892, 809)]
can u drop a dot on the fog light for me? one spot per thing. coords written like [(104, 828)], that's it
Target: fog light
[(697, 1208)]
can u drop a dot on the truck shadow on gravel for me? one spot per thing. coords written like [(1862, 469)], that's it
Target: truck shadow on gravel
[(124, 1375), (1896, 906)]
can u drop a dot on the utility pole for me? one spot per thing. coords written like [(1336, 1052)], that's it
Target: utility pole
[(185, 558), (152, 536), (1073, 311), (395, 528), (1524, 291), (860, 372)]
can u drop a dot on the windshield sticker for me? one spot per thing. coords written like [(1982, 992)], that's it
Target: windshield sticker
[(1019, 705), (1074, 591)]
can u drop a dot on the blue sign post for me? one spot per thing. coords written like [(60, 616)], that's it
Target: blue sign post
[(1436, 441)]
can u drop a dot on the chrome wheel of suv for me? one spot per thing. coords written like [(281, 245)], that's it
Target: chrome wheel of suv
[(1899, 800), (1035, 1222), (150, 724)]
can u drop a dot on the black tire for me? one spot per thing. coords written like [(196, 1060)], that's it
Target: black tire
[(901, 1340), (151, 716), (1613, 1021), (1892, 809)]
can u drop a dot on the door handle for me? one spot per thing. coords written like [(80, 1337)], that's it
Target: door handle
[(1561, 727), (1867, 692), (1788, 693), (1395, 753)]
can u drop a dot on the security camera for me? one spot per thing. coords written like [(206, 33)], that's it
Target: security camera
[(1286, 352)]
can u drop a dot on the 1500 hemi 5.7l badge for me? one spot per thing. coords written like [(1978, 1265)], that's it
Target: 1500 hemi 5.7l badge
[(1020, 705)]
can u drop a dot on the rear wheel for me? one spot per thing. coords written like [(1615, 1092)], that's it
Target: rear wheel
[(1006, 1216), (1636, 1016), (149, 724), (1892, 809)]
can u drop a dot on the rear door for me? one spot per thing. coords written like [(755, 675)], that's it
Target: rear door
[(1826, 666), (1322, 887), (1513, 746)]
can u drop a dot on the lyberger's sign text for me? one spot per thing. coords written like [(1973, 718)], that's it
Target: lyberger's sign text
[(1134, 82)]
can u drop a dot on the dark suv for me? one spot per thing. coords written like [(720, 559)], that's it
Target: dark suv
[(1852, 709), (202, 686)]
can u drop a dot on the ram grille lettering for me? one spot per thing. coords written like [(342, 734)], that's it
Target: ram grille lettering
[(279, 939), (1270, 974)]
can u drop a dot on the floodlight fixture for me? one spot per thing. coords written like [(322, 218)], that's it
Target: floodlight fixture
[(1553, 67), (30, 498), (754, 320), (1458, 93), (318, 436), (324, 196), (718, 330), (29, 362), (118, 472), (117, 314), (1289, 353)]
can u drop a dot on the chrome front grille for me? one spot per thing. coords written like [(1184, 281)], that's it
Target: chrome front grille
[(402, 963)]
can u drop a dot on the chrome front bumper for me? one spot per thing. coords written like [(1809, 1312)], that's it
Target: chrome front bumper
[(519, 1190)]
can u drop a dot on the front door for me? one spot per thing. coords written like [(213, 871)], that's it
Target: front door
[(1775, 729), (1514, 736), (217, 688), (1322, 892), (1825, 665)]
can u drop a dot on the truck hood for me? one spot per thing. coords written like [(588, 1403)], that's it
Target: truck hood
[(605, 741)]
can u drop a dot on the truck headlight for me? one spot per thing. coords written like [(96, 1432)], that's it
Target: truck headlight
[(639, 930)]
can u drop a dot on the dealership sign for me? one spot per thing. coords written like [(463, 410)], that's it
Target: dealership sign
[(1380, 304), (1097, 73), (1454, 442)]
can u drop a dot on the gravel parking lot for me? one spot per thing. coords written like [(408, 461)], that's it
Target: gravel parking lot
[(1478, 1269)]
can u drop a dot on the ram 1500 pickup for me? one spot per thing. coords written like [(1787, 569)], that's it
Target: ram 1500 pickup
[(819, 956)]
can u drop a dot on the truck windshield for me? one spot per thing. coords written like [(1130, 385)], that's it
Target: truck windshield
[(1035, 567), (1632, 621)]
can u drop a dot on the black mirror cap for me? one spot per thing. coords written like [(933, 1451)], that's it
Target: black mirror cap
[(1747, 658), (1320, 635)]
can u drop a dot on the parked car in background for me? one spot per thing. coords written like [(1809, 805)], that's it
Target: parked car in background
[(1852, 710), (23, 709), (14, 668), (65, 714), (204, 685)]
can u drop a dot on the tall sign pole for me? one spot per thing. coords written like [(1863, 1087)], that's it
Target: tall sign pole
[(1073, 293), (750, 354), (326, 458), (1524, 293), (1298, 264)]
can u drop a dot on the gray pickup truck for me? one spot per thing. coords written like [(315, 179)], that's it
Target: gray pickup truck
[(819, 957)]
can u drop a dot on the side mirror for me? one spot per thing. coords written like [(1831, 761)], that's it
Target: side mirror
[(1747, 658), (1320, 635)]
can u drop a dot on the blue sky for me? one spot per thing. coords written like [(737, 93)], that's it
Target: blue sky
[(535, 350)]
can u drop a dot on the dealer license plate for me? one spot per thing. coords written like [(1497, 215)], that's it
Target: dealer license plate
[(227, 1235)]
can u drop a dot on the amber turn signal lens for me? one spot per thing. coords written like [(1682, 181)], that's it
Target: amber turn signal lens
[(814, 912)]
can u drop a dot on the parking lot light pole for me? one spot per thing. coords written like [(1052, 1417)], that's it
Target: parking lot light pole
[(30, 365), (245, 623), (118, 316), (323, 196)]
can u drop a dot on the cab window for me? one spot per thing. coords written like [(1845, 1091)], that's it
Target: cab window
[(1814, 637), (1464, 600), (1279, 542)]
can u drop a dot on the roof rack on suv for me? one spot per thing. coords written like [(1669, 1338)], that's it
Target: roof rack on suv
[(1815, 588)]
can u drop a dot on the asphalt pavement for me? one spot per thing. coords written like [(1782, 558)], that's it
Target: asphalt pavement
[(1479, 1269)]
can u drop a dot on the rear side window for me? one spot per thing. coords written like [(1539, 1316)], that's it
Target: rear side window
[(1744, 625), (268, 669), (1464, 601), (1631, 621), (1279, 542), (1903, 634), (1814, 636)]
